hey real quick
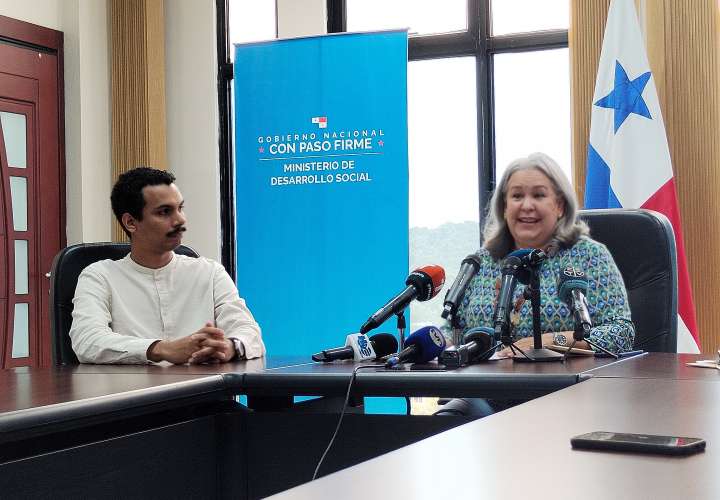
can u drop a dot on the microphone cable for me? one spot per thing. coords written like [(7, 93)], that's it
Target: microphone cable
[(342, 414)]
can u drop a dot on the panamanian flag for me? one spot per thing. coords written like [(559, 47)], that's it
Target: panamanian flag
[(628, 157)]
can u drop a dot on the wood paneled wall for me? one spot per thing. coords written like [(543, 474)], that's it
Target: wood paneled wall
[(585, 35), (683, 40), (683, 43), (137, 44)]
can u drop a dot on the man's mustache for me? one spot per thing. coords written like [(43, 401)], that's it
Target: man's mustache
[(176, 231)]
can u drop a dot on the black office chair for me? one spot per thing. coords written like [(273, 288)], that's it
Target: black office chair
[(66, 269), (642, 242)]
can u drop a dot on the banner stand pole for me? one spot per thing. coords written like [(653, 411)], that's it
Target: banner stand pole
[(401, 329)]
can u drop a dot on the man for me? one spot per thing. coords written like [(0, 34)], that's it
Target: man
[(155, 305)]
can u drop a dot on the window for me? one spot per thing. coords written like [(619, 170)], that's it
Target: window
[(521, 16), (238, 21), (251, 21), (487, 82), (532, 106), (425, 16), (442, 146)]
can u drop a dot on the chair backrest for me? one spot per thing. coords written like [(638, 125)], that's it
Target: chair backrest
[(66, 269), (642, 242)]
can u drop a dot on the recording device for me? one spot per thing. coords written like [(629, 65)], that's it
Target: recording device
[(468, 269), (422, 284), (420, 347), (640, 443), (360, 348), (477, 346), (572, 288)]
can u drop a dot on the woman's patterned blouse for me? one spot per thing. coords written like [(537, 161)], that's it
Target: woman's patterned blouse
[(606, 296)]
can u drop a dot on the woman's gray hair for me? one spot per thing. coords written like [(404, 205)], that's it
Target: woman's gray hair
[(496, 235)]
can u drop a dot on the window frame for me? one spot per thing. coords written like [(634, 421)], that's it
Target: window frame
[(225, 139), (475, 41)]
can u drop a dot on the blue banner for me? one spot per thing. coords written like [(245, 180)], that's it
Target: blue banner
[(321, 184)]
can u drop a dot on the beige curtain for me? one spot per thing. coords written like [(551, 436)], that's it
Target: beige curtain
[(683, 43), (137, 44)]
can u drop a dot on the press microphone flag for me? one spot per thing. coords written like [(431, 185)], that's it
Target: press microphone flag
[(360, 348), (422, 284)]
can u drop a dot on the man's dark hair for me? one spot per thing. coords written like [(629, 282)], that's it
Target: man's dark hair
[(127, 196)]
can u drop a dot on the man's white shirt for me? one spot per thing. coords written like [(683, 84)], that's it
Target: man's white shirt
[(121, 308)]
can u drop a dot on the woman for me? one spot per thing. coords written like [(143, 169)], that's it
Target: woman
[(534, 206)]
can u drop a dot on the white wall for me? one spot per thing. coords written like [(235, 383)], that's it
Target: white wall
[(87, 109), (191, 100), (87, 121), (192, 106), (192, 117), (301, 18), (47, 13)]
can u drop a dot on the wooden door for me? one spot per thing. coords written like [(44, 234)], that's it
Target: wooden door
[(32, 187)]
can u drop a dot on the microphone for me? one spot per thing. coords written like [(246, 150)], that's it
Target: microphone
[(529, 257), (468, 269), (515, 269), (572, 288), (420, 347), (477, 346), (422, 284), (360, 348), (510, 270)]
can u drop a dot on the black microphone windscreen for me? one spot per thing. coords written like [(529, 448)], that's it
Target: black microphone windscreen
[(384, 344), (483, 336), (473, 259), (515, 266)]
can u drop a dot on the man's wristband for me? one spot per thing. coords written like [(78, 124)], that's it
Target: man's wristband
[(152, 354), (239, 348)]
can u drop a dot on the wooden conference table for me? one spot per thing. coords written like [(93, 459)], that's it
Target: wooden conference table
[(105, 431), (525, 452)]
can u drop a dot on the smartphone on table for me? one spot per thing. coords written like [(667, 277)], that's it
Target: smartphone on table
[(638, 443)]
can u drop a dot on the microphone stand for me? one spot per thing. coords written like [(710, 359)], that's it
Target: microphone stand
[(582, 331), (505, 339), (538, 352), (456, 330), (401, 329), (532, 292)]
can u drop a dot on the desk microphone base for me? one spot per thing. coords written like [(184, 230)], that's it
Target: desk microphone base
[(538, 355)]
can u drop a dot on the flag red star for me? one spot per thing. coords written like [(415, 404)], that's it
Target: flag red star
[(381, 143), (261, 149)]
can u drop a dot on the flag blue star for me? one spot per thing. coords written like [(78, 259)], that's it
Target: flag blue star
[(626, 97)]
